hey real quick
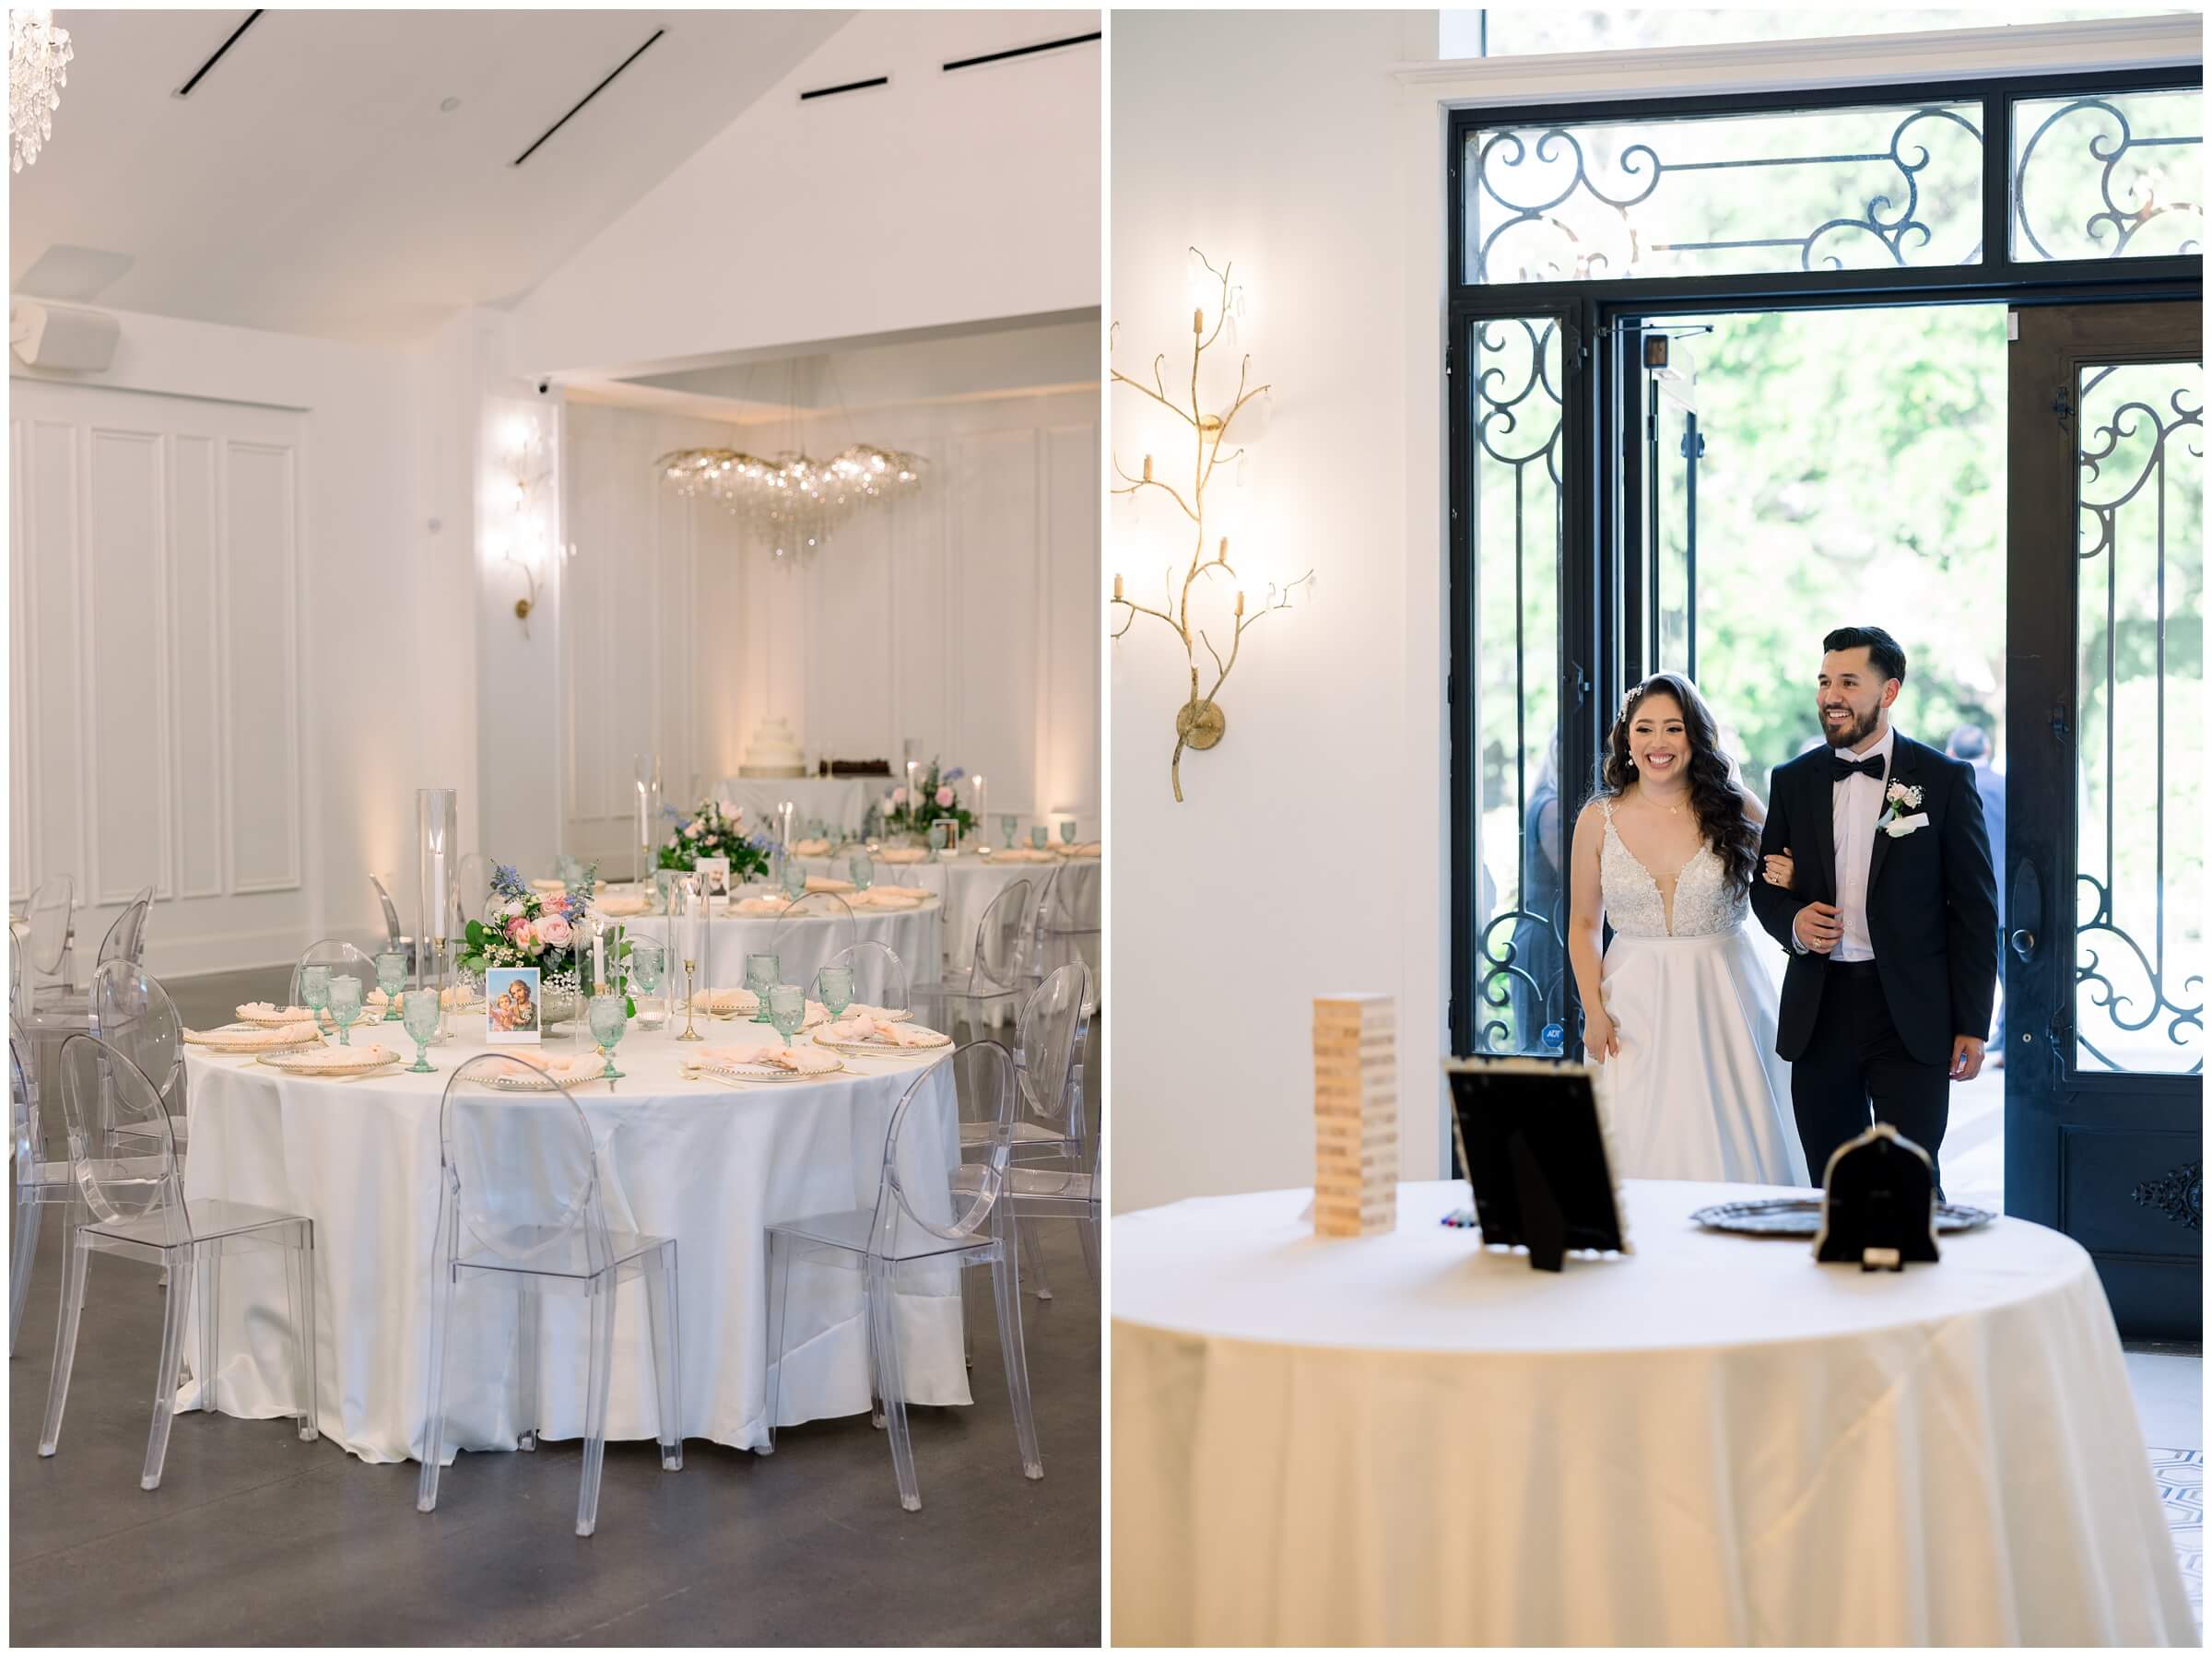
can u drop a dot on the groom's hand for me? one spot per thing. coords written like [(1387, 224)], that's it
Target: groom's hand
[(1819, 927), (1966, 1057)]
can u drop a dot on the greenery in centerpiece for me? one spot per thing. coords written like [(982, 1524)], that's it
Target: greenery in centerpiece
[(716, 829), (522, 927), (934, 797)]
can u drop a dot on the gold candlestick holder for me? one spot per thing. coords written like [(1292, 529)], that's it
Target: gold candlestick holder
[(690, 996)]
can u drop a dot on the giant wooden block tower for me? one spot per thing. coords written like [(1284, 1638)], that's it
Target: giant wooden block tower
[(1354, 1115)]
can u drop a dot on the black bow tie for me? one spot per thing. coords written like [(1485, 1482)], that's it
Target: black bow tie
[(1871, 767)]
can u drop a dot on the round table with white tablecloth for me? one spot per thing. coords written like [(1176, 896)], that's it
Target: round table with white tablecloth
[(843, 801), (968, 883), (1408, 1439), (806, 943), (706, 1163)]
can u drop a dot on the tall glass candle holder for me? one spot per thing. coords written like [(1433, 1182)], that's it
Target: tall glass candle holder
[(437, 846)]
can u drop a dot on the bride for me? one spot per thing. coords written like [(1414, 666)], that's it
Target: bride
[(1680, 1012)]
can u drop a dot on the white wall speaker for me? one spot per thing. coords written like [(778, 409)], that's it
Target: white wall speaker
[(62, 337)]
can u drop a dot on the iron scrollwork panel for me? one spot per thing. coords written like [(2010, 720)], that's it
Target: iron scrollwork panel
[(1517, 539), (2111, 177), (2139, 961), (1818, 189)]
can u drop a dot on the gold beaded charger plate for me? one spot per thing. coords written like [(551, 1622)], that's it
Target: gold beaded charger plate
[(759, 1073), (893, 1049), (1800, 1216), (248, 1038), (330, 1061)]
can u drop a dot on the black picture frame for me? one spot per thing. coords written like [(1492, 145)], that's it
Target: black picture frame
[(1532, 1142)]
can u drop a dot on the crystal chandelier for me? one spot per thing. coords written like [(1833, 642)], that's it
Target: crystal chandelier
[(793, 502), (38, 68)]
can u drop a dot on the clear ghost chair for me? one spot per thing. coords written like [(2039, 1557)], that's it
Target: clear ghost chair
[(821, 923), (878, 975), (51, 918), (125, 941), (992, 978), (1049, 1039), (40, 1183), (133, 1014), (1034, 1193), (1068, 925), (131, 1189), (926, 1210), (519, 1206), (395, 939)]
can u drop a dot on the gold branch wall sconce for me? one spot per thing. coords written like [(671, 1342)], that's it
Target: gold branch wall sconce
[(520, 531), (1199, 721)]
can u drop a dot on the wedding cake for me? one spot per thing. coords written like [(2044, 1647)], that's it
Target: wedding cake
[(773, 752)]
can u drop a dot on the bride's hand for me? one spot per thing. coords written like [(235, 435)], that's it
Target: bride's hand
[(1600, 1037), (1781, 871)]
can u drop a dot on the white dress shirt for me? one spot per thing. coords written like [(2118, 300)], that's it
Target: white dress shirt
[(1858, 806)]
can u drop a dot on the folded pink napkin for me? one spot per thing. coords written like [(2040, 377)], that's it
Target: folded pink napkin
[(809, 848), (806, 1061), (824, 883), (900, 855), (265, 1013), (727, 1001), (561, 1067), (619, 907), (286, 1035), (868, 1028), (1021, 854), (887, 896), (760, 906)]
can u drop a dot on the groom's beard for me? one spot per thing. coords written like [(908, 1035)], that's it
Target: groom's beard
[(1848, 735)]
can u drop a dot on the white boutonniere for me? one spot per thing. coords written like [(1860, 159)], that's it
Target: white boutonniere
[(1902, 814)]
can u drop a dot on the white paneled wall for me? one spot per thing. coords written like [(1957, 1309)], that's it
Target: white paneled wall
[(965, 618), (154, 729)]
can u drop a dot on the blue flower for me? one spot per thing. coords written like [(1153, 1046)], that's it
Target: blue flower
[(954, 775)]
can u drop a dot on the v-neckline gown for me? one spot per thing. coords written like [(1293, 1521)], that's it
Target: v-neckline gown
[(1696, 1091)]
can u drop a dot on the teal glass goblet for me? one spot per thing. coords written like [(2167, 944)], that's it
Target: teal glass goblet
[(608, 1020), (1067, 832), (648, 961), (1007, 823), (345, 1005), (787, 1009), (860, 868), (763, 973), (418, 1017), (390, 977), (314, 992), (1040, 836), (795, 878), (836, 985)]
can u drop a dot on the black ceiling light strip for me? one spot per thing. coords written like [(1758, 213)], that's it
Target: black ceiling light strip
[(1000, 57), (851, 85), (595, 92), (252, 18)]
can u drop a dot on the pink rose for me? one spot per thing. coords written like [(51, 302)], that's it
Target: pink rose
[(693, 829), (518, 931), (945, 796), (897, 797), (553, 930)]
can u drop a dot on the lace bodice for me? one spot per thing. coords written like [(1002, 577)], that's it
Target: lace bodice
[(1635, 907)]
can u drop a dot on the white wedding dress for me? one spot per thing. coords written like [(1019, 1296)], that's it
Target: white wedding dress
[(1696, 1091)]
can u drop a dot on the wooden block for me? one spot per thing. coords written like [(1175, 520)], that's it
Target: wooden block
[(1354, 1115)]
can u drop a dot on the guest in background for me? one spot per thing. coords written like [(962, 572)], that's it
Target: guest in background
[(1971, 743), (1538, 948)]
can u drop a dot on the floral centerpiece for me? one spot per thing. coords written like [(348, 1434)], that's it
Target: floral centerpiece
[(715, 829), (524, 928), (934, 797)]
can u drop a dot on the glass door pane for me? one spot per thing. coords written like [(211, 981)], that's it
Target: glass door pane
[(1515, 431), (2139, 938)]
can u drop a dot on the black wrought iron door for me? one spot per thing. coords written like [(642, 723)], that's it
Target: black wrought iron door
[(2102, 869)]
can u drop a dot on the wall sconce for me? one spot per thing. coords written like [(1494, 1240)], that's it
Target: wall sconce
[(519, 535), (1199, 721)]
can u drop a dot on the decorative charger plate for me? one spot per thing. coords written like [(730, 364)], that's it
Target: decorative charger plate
[(763, 1073), (1800, 1216), (274, 1019), (891, 1048), (540, 1081), (247, 1039), (330, 1061)]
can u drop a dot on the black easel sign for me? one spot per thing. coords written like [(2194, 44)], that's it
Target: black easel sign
[(1532, 1144)]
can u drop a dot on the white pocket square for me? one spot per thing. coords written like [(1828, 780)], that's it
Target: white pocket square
[(1898, 826)]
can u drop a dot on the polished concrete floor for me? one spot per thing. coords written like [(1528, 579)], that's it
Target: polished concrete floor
[(255, 1539)]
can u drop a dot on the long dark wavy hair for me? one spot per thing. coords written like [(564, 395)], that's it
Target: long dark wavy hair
[(1712, 790)]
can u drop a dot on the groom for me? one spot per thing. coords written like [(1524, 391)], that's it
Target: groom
[(1891, 917)]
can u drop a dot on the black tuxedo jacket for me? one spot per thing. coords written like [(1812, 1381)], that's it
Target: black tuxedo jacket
[(1930, 901)]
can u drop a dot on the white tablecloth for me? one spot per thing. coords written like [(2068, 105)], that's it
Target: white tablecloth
[(708, 1165), (808, 943), (969, 883), (840, 800), (1403, 1439)]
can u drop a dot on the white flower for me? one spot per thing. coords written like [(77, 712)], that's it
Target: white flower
[(1905, 791), (732, 813)]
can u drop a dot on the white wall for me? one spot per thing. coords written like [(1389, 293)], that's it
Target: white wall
[(1308, 855), (965, 618), (373, 623), (977, 197)]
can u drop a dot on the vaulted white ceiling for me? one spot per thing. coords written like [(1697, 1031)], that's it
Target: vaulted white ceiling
[(314, 182)]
